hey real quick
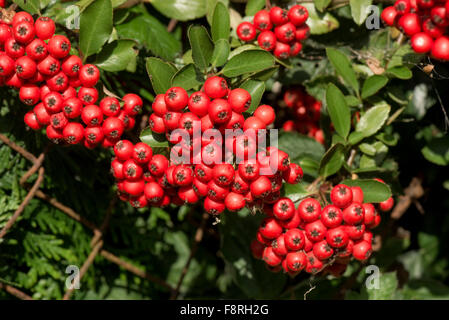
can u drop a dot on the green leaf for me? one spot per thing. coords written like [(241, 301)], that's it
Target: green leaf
[(367, 149), (373, 84), (220, 28), (373, 190), (299, 146), (437, 151), (202, 46), (95, 26), (373, 120), (321, 4), (248, 61), (31, 6), (266, 74), (332, 160), (253, 6), (400, 72), (116, 55), (187, 77), (221, 53), (355, 137), (256, 89), (150, 33), (294, 191), (338, 110), (388, 284), (359, 10), (352, 101), (320, 23), (343, 67), (160, 74), (154, 140), (181, 10)]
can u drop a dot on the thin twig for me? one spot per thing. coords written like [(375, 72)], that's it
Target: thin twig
[(18, 148), (15, 292)]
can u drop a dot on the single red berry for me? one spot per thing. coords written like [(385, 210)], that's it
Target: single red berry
[(45, 28), (425, 4), (88, 95), (176, 99), (70, 92), (93, 135), (278, 15), (346, 250), (132, 104), (54, 135), (110, 106), (246, 31), (72, 108), (53, 102), (262, 20), (337, 237), (203, 173), (295, 48), (293, 174), (314, 265), (236, 122), (370, 212), (234, 201), (142, 153), (159, 107), (220, 111), (421, 42), (354, 213), (58, 82), (278, 246), (138, 202), (158, 165), (294, 239), (284, 209), (188, 195), (267, 40), (309, 209), (389, 15), (217, 192), (410, 24), (117, 169), (29, 94), (260, 187), (183, 175), (215, 87), (37, 50), (302, 32), (113, 128), (42, 116), (132, 170), (124, 150), (298, 15), (402, 6), (89, 75), (22, 16), (92, 115), (296, 261), (249, 170), (253, 123), (213, 207), (265, 113), (5, 32), (386, 205), (270, 228), (72, 66), (223, 174), (322, 250), (241, 186), (59, 46), (292, 223), (286, 32), (431, 29), (25, 67), (23, 32), (271, 258), (187, 122), (355, 232), (31, 120), (440, 49), (439, 16), (13, 48), (357, 194), (239, 99), (315, 231), (134, 188), (198, 104), (331, 216), (49, 66), (58, 120), (362, 250), (281, 50), (156, 123), (341, 195), (6, 66), (73, 133)]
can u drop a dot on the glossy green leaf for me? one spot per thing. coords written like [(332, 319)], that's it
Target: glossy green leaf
[(400, 72), (437, 151), (332, 160), (154, 140), (187, 77), (256, 89), (299, 146), (338, 110), (321, 4), (220, 28), (373, 119), (117, 55), (359, 10), (295, 192), (202, 46), (95, 26), (181, 10), (31, 6), (221, 53), (248, 61), (343, 67), (253, 6), (355, 137), (160, 73), (320, 23), (373, 191), (373, 84)]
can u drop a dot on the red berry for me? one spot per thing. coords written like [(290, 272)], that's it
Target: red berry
[(341, 195), (354, 213), (294, 239), (265, 113), (388, 15), (42, 116), (53, 102), (153, 192), (110, 106), (440, 49), (45, 28), (223, 174), (402, 6), (58, 82), (49, 66), (278, 246), (410, 24), (431, 29), (25, 67), (220, 111), (278, 15), (113, 128), (6, 66), (291, 223), (132, 104), (73, 133), (213, 207), (295, 48), (239, 99), (134, 188), (22, 16), (337, 237), (438, 16), (23, 32), (322, 250), (31, 120), (58, 120), (92, 115), (302, 32), (284, 209), (309, 209), (142, 153), (29, 94), (5, 32), (59, 46), (176, 99), (267, 40), (262, 20), (54, 135), (281, 50), (314, 265), (386, 205), (286, 32), (315, 231), (88, 95), (271, 258), (72, 108), (240, 186), (37, 50), (298, 15), (362, 250), (13, 48), (357, 194), (270, 228), (156, 123), (260, 187), (183, 175), (355, 232), (215, 87), (246, 31), (93, 135), (293, 174), (249, 170), (234, 201), (72, 66), (89, 75), (331, 216), (296, 261)]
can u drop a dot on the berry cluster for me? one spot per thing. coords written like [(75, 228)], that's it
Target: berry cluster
[(317, 239), (425, 21), (306, 112), (38, 63), (289, 30), (228, 173)]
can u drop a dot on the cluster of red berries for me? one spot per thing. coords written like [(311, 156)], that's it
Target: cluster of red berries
[(306, 112), (38, 63), (289, 30), (228, 173), (316, 239), (425, 21)]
